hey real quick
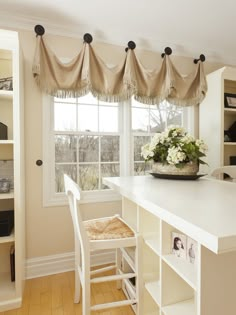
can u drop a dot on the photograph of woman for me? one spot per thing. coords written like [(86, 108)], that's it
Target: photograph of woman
[(179, 245)]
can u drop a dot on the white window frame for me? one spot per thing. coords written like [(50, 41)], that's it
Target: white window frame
[(50, 198)]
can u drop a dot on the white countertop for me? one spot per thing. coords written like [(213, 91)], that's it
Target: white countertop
[(204, 209)]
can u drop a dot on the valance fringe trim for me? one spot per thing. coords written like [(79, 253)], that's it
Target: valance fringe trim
[(87, 72)]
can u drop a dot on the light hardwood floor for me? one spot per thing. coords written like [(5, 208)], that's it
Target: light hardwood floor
[(53, 295)]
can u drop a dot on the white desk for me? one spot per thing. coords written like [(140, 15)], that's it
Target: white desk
[(204, 210)]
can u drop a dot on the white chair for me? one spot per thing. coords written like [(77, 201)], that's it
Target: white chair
[(100, 234), (229, 170)]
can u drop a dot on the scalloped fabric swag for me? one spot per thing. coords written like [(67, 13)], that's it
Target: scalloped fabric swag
[(87, 72)]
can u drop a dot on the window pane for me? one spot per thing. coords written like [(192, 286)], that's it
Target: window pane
[(109, 170), (157, 120), (108, 119), (110, 148), (88, 118), (88, 177), (87, 99), (64, 117), (142, 168), (60, 170), (174, 117), (88, 148), (140, 119), (65, 148), (64, 100), (139, 141)]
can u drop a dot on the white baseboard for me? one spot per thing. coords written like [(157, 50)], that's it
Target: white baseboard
[(10, 304), (48, 265)]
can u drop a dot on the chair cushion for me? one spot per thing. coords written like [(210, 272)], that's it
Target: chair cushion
[(107, 228)]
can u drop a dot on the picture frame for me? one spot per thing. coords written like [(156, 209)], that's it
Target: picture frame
[(179, 245), (192, 251), (230, 100), (6, 84)]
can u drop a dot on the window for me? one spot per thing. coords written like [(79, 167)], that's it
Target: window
[(146, 121), (89, 139)]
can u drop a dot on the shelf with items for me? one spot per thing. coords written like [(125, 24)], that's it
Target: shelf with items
[(179, 297), (12, 150), (180, 262), (150, 229), (8, 239), (220, 83)]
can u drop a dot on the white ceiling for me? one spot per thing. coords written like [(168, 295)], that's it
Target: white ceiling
[(189, 27)]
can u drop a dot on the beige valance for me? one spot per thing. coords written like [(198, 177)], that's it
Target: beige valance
[(87, 72)]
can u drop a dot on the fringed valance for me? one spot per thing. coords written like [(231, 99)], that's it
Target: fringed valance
[(87, 72)]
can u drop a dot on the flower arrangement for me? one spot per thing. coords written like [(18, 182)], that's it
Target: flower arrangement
[(174, 146)]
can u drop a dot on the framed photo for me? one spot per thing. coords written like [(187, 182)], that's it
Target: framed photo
[(179, 245), (230, 100), (192, 251), (6, 84)]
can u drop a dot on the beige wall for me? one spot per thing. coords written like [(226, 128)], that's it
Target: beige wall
[(49, 230)]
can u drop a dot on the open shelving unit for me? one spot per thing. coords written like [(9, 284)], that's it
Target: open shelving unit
[(212, 131), (170, 284), (12, 148)]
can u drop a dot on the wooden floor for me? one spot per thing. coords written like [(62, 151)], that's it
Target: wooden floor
[(53, 295)]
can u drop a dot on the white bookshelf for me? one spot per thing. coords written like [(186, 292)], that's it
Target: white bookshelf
[(12, 115), (211, 130)]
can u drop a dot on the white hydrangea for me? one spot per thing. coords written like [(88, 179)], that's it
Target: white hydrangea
[(175, 155), (187, 139), (146, 151), (202, 146), (177, 130)]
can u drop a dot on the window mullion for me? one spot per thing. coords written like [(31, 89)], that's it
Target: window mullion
[(126, 162)]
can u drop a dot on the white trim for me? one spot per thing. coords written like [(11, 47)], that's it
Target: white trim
[(10, 304), (49, 265)]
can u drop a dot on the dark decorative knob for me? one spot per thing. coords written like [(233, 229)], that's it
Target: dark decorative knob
[(39, 162), (88, 38), (39, 30), (126, 49), (201, 57), (167, 51), (131, 45)]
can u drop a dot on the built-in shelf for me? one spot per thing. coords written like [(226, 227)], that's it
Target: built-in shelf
[(7, 287), (230, 111), (152, 243), (182, 308), (183, 268), (6, 142), (6, 94), (9, 195), (229, 143), (7, 239), (154, 290)]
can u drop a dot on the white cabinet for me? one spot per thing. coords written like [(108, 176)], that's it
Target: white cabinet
[(12, 148), (215, 118)]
